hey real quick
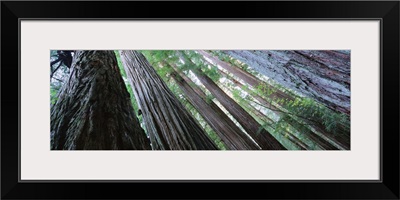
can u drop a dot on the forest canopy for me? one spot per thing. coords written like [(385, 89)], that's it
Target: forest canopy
[(200, 100)]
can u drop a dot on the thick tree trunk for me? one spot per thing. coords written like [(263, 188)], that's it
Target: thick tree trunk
[(253, 81), (322, 76), (293, 139), (340, 140), (93, 111), (321, 142), (263, 138), (296, 141), (230, 134), (261, 117), (169, 125)]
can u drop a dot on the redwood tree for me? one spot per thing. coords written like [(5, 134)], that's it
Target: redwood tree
[(254, 82), (339, 140), (93, 110), (321, 75), (169, 125), (230, 134), (263, 138), (338, 134)]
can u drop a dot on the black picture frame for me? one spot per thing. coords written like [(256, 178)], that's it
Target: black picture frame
[(386, 11)]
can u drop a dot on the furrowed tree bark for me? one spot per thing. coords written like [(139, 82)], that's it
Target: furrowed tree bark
[(296, 141), (93, 110), (290, 136), (319, 78), (329, 64), (341, 140), (245, 76), (226, 129), (321, 142), (169, 125), (263, 138), (261, 117)]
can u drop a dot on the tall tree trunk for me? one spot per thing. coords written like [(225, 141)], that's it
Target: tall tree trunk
[(169, 125), (230, 134), (320, 141), (328, 84), (93, 110), (259, 116), (253, 81), (263, 138), (341, 141), (262, 118)]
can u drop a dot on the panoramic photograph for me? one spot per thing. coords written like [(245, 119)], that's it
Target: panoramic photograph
[(200, 100)]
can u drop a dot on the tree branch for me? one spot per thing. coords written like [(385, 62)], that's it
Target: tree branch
[(54, 71)]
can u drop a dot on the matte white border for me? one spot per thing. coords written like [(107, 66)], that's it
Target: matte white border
[(39, 163)]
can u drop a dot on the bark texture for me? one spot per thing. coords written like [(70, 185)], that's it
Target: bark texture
[(93, 111), (325, 58), (321, 75), (320, 141), (169, 125), (225, 128), (245, 76), (263, 138), (295, 141)]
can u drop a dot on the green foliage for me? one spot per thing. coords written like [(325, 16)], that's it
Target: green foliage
[(54, 94), (58, 76), (303, 112), (226, 58), (198, 62), (155, 57), (160, 60), (312, 112), (265, 90), (128, 86), (54, 90), (120, 65), (213, 74), (209, 98), (192, 61)]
